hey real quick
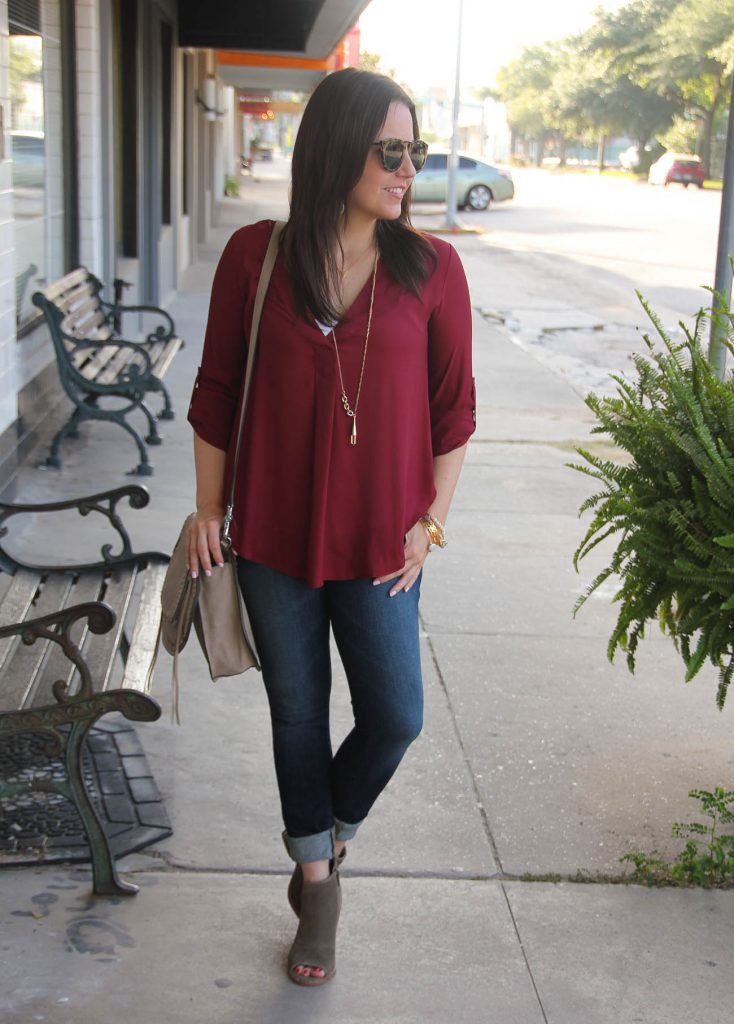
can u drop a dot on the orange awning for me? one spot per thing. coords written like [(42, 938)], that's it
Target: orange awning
[(236, 58)]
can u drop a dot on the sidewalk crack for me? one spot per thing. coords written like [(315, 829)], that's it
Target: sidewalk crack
[(524, 954), (467, 763)]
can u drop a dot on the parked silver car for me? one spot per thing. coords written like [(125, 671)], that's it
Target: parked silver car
[(28, 150), (478, 184)]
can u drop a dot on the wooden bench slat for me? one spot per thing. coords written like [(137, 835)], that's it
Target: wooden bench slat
[(125, 356), (91, 361), (164, 360), (14, 608), (99, 332), (81, 311), (81, 356), (78, 354), (57, 666), (64, 284), (90, 327), (86, 305), (99, 649), (21, 670), (114, 367), (28, 672), (72, 301), (145, 633)]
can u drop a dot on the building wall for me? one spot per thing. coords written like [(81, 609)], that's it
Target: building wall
[(8, 359)]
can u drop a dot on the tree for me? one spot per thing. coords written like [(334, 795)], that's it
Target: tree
[(373, 62), (370, 62), (26, 65), (693, 61), (620, 47), (523, 85), (635, 71)]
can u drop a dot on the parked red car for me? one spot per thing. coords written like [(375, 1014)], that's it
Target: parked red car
[(688, 170)]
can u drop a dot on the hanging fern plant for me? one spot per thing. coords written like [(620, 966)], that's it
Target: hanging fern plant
[(671, 505)]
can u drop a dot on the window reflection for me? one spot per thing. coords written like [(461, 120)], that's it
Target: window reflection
[(36, 149), (28, 150)]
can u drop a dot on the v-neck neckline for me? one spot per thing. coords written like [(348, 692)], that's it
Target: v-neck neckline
[(348, 314)]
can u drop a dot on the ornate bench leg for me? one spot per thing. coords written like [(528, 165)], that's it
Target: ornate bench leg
[(106, 880), (144, 468), (153, 437), (167, 412), (69, 429)]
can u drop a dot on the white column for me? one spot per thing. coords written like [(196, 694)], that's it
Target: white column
[(89, 90)]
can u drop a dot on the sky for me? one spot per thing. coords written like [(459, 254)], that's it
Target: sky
[(418, 39)]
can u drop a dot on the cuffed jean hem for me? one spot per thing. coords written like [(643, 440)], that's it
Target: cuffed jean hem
[(303, 849), (344, 831)]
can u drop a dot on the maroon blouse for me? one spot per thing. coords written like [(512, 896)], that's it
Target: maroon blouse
[(307, 502)]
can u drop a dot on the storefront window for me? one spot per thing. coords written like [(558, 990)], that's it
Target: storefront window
[(36, 141)]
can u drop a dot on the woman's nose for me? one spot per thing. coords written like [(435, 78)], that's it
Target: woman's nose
[(406, 165)]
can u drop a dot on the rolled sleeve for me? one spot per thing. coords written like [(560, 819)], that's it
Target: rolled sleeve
[(451, 386), (217, 387)]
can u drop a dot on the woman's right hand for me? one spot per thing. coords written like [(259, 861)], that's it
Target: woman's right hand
[(204, 549)]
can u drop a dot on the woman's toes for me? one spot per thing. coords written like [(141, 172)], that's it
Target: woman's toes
[(309, 972)]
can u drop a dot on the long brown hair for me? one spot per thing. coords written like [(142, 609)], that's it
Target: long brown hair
[(341, 120)]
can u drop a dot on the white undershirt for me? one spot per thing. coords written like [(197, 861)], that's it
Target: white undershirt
[(326, 328)]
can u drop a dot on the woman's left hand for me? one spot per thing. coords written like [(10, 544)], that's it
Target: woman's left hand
[(416, 552)]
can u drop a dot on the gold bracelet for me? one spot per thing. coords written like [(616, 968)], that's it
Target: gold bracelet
[(435, 530), (431, 531)]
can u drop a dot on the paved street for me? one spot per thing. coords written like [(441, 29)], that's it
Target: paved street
[(660, 240), (560, 263)]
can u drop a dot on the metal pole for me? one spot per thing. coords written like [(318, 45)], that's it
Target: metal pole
[(723, 281), (454, 158)]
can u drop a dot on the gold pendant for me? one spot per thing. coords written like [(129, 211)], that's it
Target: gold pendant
[(353, 438)]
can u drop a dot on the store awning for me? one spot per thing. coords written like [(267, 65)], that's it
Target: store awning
[(270, 71), (269, 44)]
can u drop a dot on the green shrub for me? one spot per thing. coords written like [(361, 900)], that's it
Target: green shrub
[(708, 856), (671, 505)]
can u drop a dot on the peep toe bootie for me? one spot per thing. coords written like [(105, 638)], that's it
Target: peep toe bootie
[(296, 883), (315, 941)]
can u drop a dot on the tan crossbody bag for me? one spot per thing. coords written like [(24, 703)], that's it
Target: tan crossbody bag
[(214, 604)]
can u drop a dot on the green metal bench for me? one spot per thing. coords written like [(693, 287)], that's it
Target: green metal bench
[(95, 364), (61, 631)]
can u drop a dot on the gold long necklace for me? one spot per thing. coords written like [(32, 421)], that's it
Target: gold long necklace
[(352, 413), (345, 269)]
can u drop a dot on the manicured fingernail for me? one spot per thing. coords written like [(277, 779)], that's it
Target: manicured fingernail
[(375, 583), (207, 572), (194, 574), (220, 565), (393, 593)]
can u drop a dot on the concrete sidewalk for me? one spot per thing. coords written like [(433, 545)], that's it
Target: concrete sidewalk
[(538, 759)]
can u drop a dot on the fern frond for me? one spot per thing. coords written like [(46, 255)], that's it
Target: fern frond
[(671, 507)]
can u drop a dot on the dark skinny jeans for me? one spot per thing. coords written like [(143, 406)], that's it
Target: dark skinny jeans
[(325, 796)]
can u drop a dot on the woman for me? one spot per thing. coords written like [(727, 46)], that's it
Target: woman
[(356, 427)]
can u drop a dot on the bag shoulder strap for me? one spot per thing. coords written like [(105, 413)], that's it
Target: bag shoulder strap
[(271, 254)]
